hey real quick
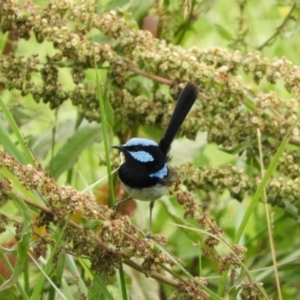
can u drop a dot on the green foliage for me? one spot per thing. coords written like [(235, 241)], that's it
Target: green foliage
[(68, 154), (232, 232)]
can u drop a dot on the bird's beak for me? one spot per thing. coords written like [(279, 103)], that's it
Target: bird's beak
[(120, 147)]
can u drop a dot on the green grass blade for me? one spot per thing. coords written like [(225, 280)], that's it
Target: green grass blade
[(7, 292), (9, 146), (122, 282), (263, 185), (106, 114), (28, 155), (47, 268), (72, 265), (98, 290), (211, 294), (67, 291), (55, 288), (243, 266), (22, 245), (257, 196), (107, 134)]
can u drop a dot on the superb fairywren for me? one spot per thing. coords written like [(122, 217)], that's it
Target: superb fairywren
[(145, 174)]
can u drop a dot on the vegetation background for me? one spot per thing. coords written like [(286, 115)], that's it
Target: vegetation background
[(79, 76)]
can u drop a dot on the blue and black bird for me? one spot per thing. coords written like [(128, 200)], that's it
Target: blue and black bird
[(145, 174)]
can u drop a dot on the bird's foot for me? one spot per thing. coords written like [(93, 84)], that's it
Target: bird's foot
[(148, 235), (115, 207)]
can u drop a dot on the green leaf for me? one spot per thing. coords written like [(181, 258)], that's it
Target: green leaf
[(48, 267), (212, 155), (8, 294), (67, 156), (60, 266), (224, 33), (291, 210), (9, 146), (107, 132), (67, 290), (140, 287), (109, 113), (257, 195), (22, 245), (92, 224), (13, 125), (98, 290), (41, 144)]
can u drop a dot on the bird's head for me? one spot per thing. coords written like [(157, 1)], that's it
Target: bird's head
[(143, 151)]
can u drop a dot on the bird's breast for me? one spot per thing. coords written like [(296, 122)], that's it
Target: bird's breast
[(146, 194)]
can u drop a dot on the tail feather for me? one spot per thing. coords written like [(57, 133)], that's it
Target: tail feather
[(186, 100)]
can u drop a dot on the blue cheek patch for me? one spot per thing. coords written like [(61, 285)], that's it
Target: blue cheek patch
[(142, 156), (162, 173)]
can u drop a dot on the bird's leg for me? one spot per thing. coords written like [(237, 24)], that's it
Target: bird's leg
[(148, 235), (116, 206)]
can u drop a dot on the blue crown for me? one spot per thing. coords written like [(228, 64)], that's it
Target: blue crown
[(140, 142)]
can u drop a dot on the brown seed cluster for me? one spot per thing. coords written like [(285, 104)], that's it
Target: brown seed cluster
[(114, 240), (3, 223), (191, 290), (233, 260), (250, 291), (280, 190), (227, 108)]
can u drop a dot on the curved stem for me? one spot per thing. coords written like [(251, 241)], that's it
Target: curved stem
[(278, 29)]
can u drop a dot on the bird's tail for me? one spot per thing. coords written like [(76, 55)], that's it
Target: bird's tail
[(185, 102)]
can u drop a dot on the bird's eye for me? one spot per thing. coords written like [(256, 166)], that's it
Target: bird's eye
[(136, 148)]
